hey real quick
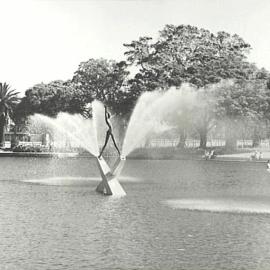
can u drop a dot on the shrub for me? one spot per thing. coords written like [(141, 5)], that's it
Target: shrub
[(29, 148)]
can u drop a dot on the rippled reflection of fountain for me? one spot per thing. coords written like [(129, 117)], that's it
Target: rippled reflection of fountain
[(221, 205)]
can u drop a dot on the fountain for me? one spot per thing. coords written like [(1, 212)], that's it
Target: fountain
[(149, 115), (110, 184), (87, 134), (152, 113)]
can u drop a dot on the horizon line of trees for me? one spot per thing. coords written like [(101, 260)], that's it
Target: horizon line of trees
[(230, 89)]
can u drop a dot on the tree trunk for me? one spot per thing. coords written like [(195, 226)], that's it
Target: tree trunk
[(256, 137), (14, 139), (182, 139), (2, 130), (230, 136), (231, 143), (203, 138)]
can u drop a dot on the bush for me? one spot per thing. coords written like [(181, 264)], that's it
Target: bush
[(29, 148)]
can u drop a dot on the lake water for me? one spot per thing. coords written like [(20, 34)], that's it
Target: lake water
[(176, 215)]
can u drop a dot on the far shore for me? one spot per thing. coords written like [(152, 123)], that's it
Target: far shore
[(198, 154), (155, 154)]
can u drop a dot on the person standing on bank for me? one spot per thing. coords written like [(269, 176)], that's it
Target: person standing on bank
[(109, 133)]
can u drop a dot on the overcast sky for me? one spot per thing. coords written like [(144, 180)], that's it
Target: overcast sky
[(45, 40)]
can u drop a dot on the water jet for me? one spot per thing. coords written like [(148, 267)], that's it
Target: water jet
[(150, 116)]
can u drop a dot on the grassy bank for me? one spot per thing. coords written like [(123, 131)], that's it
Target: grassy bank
[(188, 153)]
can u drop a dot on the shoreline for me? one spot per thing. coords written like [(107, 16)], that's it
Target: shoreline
[(42, 154), (143, 155)]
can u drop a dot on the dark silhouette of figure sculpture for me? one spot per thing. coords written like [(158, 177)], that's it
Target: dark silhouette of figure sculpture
[(109, 133)]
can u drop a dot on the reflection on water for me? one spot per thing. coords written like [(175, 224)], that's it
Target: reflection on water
[(62, 181), (70, 226), (225, 205), (75, 181)]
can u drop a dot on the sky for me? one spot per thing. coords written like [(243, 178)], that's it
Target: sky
[(45, 40)]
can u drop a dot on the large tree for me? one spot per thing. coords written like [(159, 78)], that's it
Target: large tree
[(242, 102), (50, 99), (231, 103), (8, 101), (106, 81), (186, 53)]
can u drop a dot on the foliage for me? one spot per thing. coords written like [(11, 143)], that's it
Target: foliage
[(232, 103), (29, 148), (50, 99), (186, 53), (106, 81), (243, 101), (180, 54), (8, 101)]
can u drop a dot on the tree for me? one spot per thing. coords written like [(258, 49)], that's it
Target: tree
[(242, 101), (206, 111), (231, 103), (186, 53), (106, 81), (8, 101), (50, 99)]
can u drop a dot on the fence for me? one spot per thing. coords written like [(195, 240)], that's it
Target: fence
[(192, 143), (30, 143), (8, 144)]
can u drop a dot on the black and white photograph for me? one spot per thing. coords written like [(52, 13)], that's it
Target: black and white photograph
[(135, 134)]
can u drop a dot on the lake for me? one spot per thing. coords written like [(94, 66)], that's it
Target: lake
[(178, 214)]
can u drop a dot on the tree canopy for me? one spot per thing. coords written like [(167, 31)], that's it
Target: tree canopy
[(106, 81), (50, 99), (8, 101), (180, 54), (186, 53)]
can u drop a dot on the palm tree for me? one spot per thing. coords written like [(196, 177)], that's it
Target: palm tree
[(8, 100)]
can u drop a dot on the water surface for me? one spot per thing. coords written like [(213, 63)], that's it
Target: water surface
[(176, 215)]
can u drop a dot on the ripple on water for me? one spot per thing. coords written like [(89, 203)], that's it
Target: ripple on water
[(65, 180), (75, 180), (221, 205)]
